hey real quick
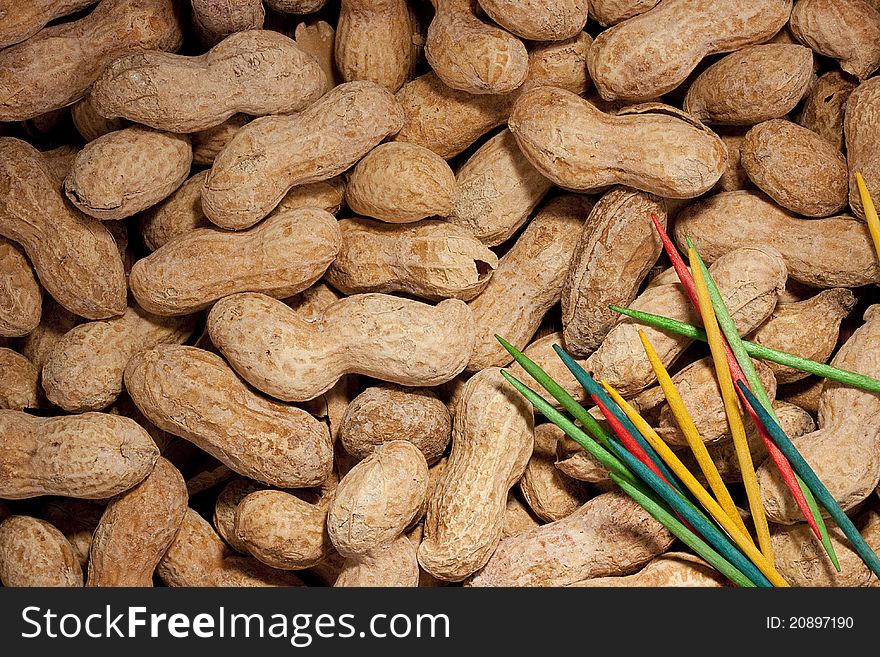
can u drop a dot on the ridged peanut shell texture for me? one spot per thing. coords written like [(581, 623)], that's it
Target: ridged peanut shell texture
[(137, 528), (845, 30), (492, 440), (754, 84), (213, 20), (824, 253), (89, 456), (617, 248), (825, 106), (393, 564), (388, 61), (399, 182), (470, 55), (844, 454), (655, 148), (378, 498), (385, 337), (256, 72), (383, 413), (272, 154), (33, 553), (611, 12), (676, 569), (55, 67), (282, 256), (608, 536), (83, 271), (429, 259), (21, 21), (281, 530), (124, 172), (796, 167), (539, 20), (520, 294), (19, 385), (84, 370), (193, 394), (20, 295), (862, 132), (651, 54)]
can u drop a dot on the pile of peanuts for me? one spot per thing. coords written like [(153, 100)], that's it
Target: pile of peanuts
[(253, 257)]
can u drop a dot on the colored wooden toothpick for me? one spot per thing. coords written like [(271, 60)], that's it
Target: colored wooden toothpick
[(692, 436), (819, 490), (731, 408), (799, 490), (852, 379), (736, 532), (870, 212)]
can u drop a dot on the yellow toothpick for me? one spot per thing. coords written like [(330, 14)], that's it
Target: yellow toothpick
[(870, 212), (731, 408), (692, 436), (737, 533)]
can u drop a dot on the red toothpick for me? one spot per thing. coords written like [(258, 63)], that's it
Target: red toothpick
[(782, 464)]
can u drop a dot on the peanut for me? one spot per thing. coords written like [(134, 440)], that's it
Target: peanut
[(256, 72), (34, 553), (497, 189), (846, 30), (612, 12), (860, 129), (274, 443), (124, 172), (539, 21), (55, 322), (89, 456), (734, 176), (281, 530), (282, 256), (378, 499), (385, 413), (255, 170), (83, 372), (400, 183), (550, 493), (84, 270), (805, 393), (137, 528), (388, 338), (752, 85), (296, 6), (429, 259), (23, 21), (198, 557), (652, 53), (541, 352), (214, 20), (609, 536), (470, 55), (389, 61), (843, 454), (825, 107), (318, 39), (55, 67), (796, 167), (392, 564), (824, 253), (654, 148), (19, 388), (518, 517), (614, 254), (678, 569), (807, 328), (492, 439), (749, 280), (519, 294), (20, 294)]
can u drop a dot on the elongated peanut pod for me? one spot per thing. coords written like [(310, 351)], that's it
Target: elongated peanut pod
[(34, 553), (274, 443), (388, 338), (20, 295)]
